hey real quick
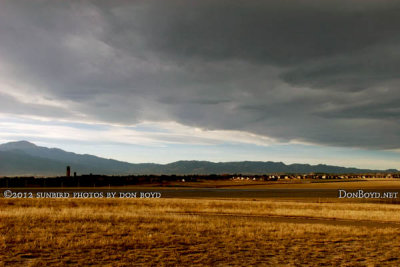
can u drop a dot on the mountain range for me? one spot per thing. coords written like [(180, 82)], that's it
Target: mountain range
[(25, 158)]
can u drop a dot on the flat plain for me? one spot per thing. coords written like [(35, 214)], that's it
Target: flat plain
[(203, 231)]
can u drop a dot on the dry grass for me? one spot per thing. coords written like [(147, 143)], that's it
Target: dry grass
[(371, 183), (41, 232)]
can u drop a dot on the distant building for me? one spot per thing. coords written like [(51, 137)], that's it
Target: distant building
[(68, 171)]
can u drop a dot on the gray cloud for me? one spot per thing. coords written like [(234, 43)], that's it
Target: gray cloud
[(311, 71), (11, 105)]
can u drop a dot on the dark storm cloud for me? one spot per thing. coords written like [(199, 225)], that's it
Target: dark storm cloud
[(314, 71), (277, 32)]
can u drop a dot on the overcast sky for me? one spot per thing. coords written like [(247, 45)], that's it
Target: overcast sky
[(158, 81)]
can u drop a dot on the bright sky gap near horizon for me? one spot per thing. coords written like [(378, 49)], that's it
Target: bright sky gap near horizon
[(159, 81)]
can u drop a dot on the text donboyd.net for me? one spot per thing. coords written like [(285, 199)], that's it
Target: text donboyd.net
[(362, 194)]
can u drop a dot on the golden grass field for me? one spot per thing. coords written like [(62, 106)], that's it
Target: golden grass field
[(203, 231)]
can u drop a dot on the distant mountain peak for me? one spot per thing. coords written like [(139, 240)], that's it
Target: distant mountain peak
[(17, 145), (23, 157)]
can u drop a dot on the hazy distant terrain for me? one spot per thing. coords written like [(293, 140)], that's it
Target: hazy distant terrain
[(25, 158)]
